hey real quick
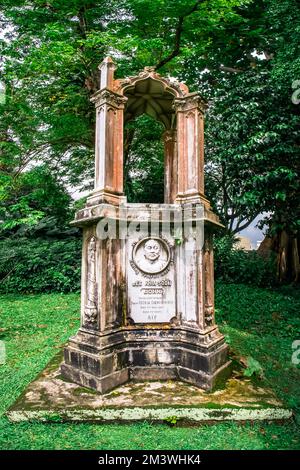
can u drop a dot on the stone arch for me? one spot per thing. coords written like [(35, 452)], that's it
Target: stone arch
[(151, 94), (168, 101)]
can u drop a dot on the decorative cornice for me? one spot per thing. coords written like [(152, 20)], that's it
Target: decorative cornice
[(189, 102), (109, 97), (176, 88)]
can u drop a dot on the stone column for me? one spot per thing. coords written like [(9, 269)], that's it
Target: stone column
[(103, 283), (171, 176), (190, 148), (109, 140), (90, 296)]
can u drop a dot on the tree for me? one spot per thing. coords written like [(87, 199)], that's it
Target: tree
[(50, 60), (253, 136), (243, 55), (144, 161), (34, 202), (50, 53)]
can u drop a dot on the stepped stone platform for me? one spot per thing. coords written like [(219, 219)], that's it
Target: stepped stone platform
[(50, 398)]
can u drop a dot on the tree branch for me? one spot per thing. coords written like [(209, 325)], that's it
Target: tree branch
[(230, 69), (178, 33), (240, 227)]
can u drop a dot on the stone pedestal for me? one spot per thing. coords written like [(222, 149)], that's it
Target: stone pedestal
[(51, 399), (146, 319)]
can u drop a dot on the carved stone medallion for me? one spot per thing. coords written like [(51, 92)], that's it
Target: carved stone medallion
[(151, 281), (151, 255)]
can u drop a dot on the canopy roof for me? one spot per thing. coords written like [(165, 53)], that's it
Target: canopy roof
[(151, 94)]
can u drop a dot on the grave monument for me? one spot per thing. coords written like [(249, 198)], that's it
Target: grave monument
[(147, 292)]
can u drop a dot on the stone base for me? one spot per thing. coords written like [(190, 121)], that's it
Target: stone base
[(103, 362), (105, 197), (49, 398)]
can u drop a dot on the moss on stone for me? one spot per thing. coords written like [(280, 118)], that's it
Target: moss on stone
[(83, 390)]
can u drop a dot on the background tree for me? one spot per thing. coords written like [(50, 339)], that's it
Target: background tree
[(253, 130), (50, 56), (242, 54)]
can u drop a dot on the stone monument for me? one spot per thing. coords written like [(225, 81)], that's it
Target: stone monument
[(147, 293)]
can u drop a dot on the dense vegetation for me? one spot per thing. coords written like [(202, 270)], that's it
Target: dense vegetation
[(35, 327), (53, 265), (243, 55), (240, 266), (40, 265)]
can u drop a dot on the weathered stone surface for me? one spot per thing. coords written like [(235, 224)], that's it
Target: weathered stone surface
[(151, 290), (50, 398)]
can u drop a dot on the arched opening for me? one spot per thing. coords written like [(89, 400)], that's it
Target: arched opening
[(148, 113), (144, 160), (119, 102)]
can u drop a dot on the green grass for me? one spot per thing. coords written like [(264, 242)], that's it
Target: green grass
[(257, 322)]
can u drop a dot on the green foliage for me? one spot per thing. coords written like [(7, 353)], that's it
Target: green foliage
[(34, 198), (263, 323), (252, 125), (50, 56), (259, 170), (234, 51), (240, 266), (144, 162), (40, 265), (51, 264), (172, 420), (253, 368)]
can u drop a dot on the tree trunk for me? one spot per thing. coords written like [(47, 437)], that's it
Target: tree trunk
[(286, 246)]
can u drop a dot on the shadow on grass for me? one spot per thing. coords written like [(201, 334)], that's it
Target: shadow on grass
[(263, 324)]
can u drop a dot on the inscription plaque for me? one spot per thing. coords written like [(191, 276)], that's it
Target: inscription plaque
[(151, 288)]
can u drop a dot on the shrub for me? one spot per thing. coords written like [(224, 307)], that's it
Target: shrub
[(53, 265), (240, 266), (40, 265)]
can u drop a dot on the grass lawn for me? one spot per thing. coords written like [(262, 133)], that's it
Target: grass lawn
[(257, 322)]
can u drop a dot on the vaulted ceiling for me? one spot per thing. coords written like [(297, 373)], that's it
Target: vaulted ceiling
[(149, 96)]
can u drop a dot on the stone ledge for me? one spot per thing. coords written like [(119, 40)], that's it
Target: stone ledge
[(49, 398), (188, 414)]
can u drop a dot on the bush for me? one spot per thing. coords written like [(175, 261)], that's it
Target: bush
[(53, 265), (240, 266), (40, 265)]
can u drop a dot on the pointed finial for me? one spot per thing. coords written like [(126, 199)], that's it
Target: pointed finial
[(107, 68), (149, 69), (108, 60)]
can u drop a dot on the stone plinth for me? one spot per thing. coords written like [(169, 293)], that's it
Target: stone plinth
[(51, 399), (155, 315)]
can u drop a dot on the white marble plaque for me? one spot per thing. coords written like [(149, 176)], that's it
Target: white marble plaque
[(150, 276)]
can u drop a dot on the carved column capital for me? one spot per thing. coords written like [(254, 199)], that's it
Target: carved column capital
[(110, 98), (190, 102)]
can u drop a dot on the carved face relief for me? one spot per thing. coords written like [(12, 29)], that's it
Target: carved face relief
[(152, 250), (151, 255)]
